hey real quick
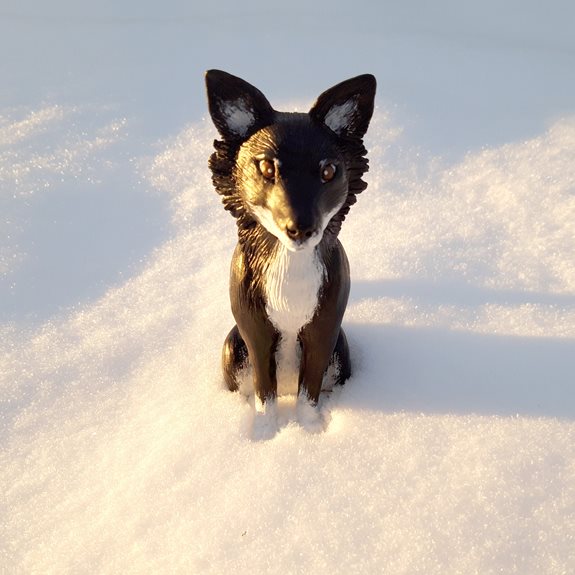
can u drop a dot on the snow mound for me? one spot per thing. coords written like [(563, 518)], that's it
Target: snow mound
[(450, 450)]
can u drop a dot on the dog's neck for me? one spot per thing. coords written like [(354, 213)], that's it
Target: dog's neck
[(279, 275), (292, 285)]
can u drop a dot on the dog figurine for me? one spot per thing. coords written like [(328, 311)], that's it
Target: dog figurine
[(289, 179)]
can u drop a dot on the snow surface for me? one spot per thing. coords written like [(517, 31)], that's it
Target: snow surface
[(451, 449)]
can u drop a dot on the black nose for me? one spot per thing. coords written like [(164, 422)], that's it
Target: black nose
[(298, 233)]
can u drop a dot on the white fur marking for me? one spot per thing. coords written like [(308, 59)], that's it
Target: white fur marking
[(266, 219), (292, 284), (340, 116), (288, 357), (293, 281), (238, 117)]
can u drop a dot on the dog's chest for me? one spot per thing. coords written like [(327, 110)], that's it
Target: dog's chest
[(292, 286)]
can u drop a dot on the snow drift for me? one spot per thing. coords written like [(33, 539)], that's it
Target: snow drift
[(450, 450)]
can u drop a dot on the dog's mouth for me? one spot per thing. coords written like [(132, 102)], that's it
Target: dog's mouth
[(299, 238), (294, 237), (300, 245)]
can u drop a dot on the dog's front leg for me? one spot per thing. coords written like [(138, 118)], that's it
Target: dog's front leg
[(261, 340), (321, 337), (317, 349)]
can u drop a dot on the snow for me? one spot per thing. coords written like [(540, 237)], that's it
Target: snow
[(451, 448)]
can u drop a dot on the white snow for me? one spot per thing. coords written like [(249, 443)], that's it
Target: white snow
[(451, 449)]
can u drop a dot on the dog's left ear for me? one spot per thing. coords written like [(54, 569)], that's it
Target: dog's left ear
[(238, 109), (347, 107)]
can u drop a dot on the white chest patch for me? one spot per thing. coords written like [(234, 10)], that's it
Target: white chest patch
[(292, 284), (293, 281)]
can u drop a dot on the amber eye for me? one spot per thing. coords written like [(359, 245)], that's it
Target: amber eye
[(328, 172), (267, 169)]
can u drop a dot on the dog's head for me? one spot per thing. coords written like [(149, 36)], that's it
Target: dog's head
[(295, 174)]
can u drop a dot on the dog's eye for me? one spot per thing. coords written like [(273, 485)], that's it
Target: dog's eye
[(328, 172), (267, 169)]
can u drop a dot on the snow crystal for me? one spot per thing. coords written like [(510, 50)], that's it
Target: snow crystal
[(121, 439)]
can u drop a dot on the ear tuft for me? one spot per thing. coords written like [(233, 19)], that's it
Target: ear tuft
[(346, 108), (237, 116), (237, 108), (341, 116)]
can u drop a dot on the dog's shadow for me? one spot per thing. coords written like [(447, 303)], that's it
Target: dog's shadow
[(438, 370)]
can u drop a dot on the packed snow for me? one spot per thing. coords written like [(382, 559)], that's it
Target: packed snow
[(452, 447)]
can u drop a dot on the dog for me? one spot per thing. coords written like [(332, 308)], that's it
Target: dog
[(289, 179)]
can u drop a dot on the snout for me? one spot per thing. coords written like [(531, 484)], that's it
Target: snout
[(298, 232)]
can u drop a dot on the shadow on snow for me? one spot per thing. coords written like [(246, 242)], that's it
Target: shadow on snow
[(438, 370)]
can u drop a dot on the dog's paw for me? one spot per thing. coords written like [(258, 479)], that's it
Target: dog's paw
[(310, 417), (265, 423)]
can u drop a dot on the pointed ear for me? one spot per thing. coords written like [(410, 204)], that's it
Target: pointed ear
[(347, 107), (237, 108)]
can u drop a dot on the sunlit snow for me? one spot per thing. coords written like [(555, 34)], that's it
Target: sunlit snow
[(452, 447)]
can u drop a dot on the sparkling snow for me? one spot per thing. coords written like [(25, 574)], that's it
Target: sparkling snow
[(451, 449)]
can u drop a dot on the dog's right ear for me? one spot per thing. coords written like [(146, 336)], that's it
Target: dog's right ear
[(347, 107), (237, 108)]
